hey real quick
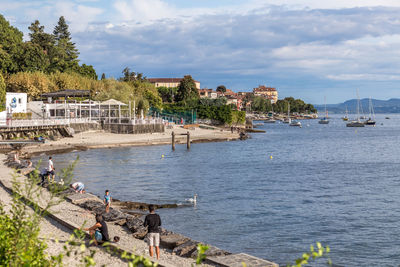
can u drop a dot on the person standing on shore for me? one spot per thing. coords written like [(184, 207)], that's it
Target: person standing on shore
[(107, 200), (153, 222), (50, 170)]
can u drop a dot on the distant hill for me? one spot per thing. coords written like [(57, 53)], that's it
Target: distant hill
[(380, 106)]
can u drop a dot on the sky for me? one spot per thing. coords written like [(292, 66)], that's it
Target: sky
[(308, 49)]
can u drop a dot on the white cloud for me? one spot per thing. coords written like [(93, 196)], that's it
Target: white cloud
[(244, 44), (364, 76)]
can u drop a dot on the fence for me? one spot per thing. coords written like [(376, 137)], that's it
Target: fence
[(40, 122), (178, 117)]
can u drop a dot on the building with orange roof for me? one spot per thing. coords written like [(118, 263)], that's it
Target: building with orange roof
[(267, 92)]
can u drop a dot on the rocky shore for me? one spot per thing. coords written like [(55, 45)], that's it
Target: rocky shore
[(80, 209), (125, 219)]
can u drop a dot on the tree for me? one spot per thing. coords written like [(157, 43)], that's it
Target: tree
[(167, 93), (132, 76), (65, 55), (187, 90), (32, 58), (86, 70), (221, 88), (103, 76), (39, 37), (61, 30), (10, 47), (2, 93)]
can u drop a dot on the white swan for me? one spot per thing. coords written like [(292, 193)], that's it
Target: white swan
[(192, 200)]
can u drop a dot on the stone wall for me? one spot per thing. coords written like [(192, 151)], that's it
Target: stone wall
[(83, 127), (52, 132), (134, 129)]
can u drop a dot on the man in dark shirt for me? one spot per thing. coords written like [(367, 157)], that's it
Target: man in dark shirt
[(99, 231), (153, 223)]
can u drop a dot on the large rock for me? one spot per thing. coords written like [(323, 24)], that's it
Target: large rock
[(27, 170), (99, 208), (173, 240), (129, 205), (211, 252), (135, 225), (77, 198), (186, 249)]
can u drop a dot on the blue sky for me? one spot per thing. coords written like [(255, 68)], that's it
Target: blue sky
[(305, 48)]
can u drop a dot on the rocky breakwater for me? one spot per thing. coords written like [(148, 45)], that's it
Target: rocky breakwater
[(133, 221)]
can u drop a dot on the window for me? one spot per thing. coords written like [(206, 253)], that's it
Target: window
[(19, 100)]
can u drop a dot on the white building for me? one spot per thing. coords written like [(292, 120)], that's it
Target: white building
[(16, 102)]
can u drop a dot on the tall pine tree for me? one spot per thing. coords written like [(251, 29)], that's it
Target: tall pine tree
[(65, 55), (39, 37)]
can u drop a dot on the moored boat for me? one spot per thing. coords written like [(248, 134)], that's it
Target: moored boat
[(295, 123), (345, 117), (324, 120), (371, 119), (357, 122)]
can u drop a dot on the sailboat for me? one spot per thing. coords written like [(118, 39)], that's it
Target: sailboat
[(292, 123), (357, 122), (324, 120), (371, 119), (288, 120), (346, 117)]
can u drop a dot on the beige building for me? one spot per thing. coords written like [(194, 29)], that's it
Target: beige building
[(207, 93), (169, 82), (267, 92)]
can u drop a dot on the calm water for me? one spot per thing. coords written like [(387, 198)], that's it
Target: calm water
[(326, 183)]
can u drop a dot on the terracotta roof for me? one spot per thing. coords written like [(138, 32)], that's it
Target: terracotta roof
[(165, 80), (229, 92), (263, 88)]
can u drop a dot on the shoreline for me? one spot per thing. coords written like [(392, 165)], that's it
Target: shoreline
[(100, 139)]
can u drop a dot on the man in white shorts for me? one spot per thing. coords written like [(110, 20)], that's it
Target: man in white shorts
[(153, 222)]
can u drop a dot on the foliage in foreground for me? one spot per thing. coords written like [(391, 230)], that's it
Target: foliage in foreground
[(314, 254), (20, 244)]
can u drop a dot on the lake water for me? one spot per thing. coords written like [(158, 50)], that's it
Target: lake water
[(326, 183)]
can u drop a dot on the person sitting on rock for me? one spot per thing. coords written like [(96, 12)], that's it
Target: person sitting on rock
[(78, 187), (99, 231)]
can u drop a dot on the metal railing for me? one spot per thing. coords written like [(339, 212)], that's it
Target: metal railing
[(62, 121), (133, 121), (40, 122)]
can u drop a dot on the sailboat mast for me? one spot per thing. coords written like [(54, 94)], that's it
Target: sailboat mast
[(358, 106)]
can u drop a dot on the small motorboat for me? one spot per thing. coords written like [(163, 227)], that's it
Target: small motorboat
[(295, 123)]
